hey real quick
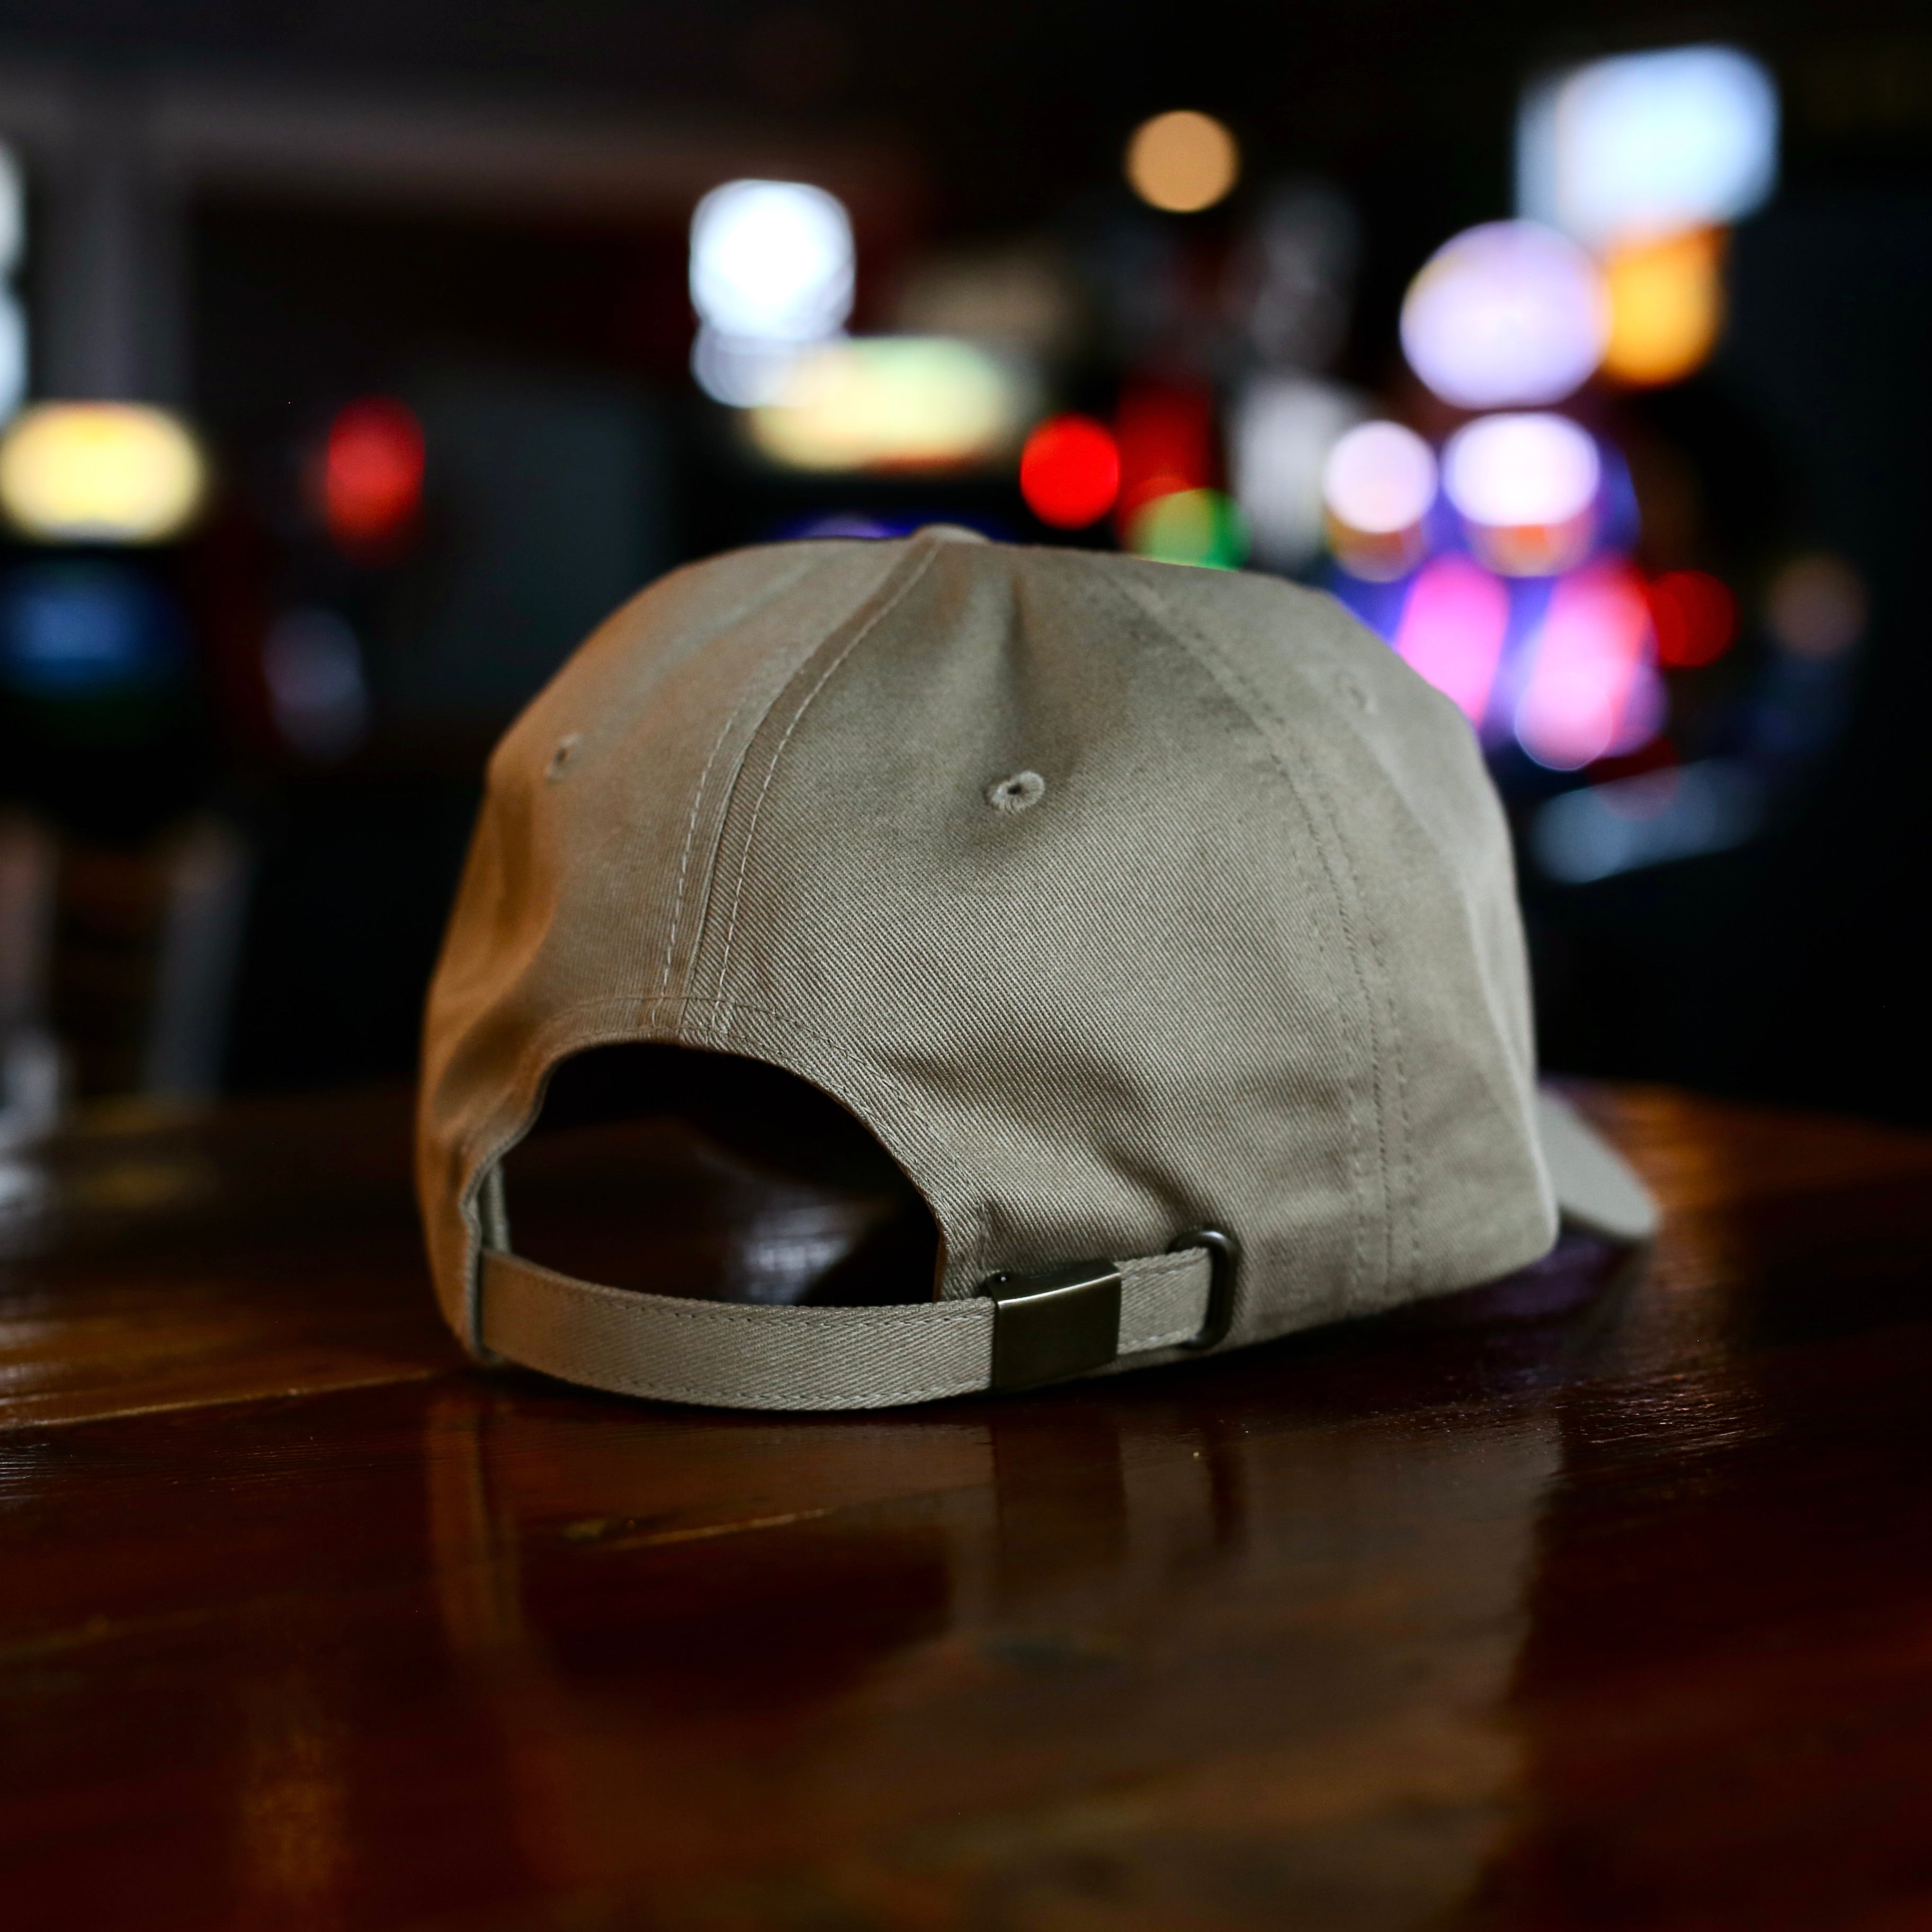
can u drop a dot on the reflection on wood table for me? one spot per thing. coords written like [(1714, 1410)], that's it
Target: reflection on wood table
[(1585, 1599)]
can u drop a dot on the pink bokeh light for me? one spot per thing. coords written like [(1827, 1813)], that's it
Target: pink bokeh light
[(1592, 689), (1452, 630)]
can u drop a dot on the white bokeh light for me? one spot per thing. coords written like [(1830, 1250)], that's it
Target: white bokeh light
[(1379, 479), (1517, 471), (12, 314), (1648, 144), (13, 211), (13, 354), (1284, 429), (742, 370), (1508, 314), (772, 261)]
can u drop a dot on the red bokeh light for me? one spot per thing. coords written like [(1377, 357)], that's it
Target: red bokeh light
[(1696, 618), (1070, 472), (1167, 444), (372, 475)]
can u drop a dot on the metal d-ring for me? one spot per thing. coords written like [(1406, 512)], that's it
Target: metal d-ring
[(1224, 1256)]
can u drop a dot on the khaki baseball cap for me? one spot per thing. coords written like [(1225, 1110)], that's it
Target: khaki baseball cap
[(1160, 923)]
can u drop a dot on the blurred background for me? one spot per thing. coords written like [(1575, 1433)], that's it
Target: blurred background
[(355, 360)]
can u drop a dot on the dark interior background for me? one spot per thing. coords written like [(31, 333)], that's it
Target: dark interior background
[(1790, 968)]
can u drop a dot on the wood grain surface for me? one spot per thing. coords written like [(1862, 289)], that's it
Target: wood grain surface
[(1593, 1598)]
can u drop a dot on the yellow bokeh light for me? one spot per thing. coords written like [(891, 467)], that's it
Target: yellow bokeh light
[(893, 403), (1666, 306), (1182, 162), (100, 473)]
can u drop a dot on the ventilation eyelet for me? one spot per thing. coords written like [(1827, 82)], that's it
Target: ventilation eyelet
[(1020, 793)]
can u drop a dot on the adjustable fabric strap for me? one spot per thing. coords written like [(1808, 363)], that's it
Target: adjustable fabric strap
[(727, 1355)]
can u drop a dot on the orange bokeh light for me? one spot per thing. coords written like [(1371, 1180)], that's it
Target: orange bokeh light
[(1666, 297)]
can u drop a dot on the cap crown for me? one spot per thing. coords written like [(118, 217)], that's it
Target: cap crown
[(1247, 953)]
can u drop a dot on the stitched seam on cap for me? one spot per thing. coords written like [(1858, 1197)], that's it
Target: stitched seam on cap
[(738, 711), (1259, 709), (1356, 951), (858, 637), (1392, 1016), (1222, 674), (1256, 703), (786, 683), (1408, 1208), (1173, 1341), (745, 609)]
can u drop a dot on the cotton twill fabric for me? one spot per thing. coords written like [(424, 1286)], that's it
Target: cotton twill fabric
[(1251, 958), (727, 1355)]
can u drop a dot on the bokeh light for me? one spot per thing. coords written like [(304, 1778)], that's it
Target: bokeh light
[(1286, 427), (88, 627), (741, 371), (1182, 162), (1666, 306), (1526, 483), (1070, 472), (1680, 812), (1591, 691), (1695, 617), (1377, 486), (312, 664), (1380, 477), (101, 472), (886, 402), (13, 352), (1649, 144), (772, 260), (1510, 312), (772, 269), (1166, 436), (13, 211), (1452, 630), (1196, 527), (372, 474), (12, 314), (1815, 606)]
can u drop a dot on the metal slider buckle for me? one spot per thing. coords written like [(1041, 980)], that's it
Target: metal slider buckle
[(1224, 1256), (1057, 1322)]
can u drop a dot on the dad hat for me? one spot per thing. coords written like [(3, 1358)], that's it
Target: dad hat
[(1160, 923)]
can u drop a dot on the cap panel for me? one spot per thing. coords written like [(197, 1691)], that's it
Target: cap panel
[(1417, 828), (1117, 1012), (580, 904)]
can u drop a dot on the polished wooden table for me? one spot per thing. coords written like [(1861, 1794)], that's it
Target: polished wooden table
[(1575, 1601)]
